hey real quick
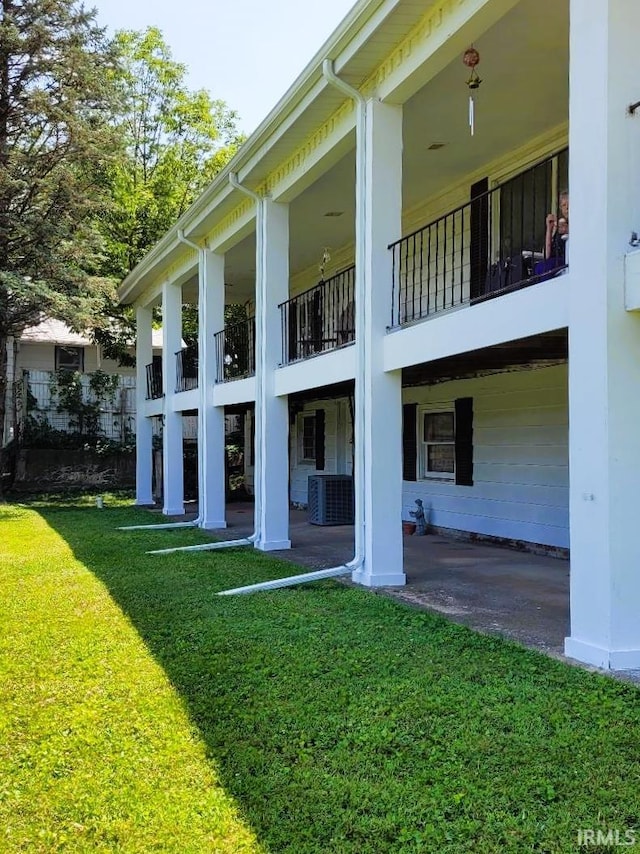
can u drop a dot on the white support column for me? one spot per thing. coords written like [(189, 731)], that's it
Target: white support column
[(272, 420), (172, 446), (144, 449), (604, 340), (211, 438), (382, 428)]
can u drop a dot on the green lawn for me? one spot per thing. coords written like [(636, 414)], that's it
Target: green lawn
[(141, 712)]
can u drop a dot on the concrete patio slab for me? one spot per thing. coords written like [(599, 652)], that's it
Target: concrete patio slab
[(491, 589)]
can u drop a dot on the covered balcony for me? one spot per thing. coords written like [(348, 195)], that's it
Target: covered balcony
[(320, 319), (236, 351), (506, 238), (187, 368), (154, 379)]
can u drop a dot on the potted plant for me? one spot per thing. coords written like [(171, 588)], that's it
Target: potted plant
[(408, 527)]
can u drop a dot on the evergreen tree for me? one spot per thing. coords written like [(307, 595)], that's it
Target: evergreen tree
[(56, 99)]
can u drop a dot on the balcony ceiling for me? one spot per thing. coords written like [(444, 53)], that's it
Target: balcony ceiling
[(524, 69)]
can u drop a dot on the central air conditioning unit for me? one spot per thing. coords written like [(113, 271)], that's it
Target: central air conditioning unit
[(330, 499)]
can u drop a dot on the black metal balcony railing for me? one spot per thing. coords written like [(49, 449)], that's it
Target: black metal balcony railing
[(491, 245), (154, 380), (236, 351), (187, 368), (320, 319)]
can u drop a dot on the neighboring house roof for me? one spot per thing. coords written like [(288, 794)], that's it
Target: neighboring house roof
[(52, 331), (156, 339)]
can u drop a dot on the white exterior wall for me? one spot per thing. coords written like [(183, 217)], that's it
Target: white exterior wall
[(520, 456), (41, 357), (337, 447)]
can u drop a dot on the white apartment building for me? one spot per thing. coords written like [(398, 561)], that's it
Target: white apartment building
[(449, 348)]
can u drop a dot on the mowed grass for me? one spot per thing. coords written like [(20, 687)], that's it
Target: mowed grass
[(141, 712)]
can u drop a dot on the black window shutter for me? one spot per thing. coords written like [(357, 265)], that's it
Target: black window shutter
[(319, 439), (409, 441), (464, 441)]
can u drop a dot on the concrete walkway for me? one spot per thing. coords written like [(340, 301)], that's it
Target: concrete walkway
[(491, 589)]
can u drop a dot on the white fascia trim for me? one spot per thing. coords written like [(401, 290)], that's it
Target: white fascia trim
[(341, 47), (365, 17), (539, 308), (184, 401), (149, 297), (329, 368), (234, 392), (470, 20), (153, 408)]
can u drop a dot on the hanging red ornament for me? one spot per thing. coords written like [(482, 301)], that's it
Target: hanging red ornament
[(471, 58)]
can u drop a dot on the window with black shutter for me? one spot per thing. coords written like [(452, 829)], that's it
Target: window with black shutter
[(438, 443), (444, 442), (306, 437)]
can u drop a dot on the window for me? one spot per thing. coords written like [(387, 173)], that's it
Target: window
[(70, 359), (310, 438), (307, 438), (438, 443)]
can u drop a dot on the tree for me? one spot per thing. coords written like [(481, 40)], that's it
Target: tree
[(175, 142), (56, 88)]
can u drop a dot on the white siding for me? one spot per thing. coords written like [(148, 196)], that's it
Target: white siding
[(521, 468), (337, 450), (520, 456), (38, 356)]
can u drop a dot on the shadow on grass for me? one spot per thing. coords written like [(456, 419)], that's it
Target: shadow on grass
[(345, 722)]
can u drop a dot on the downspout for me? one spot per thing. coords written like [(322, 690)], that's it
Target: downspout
[(359, 473), (359, 462)]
